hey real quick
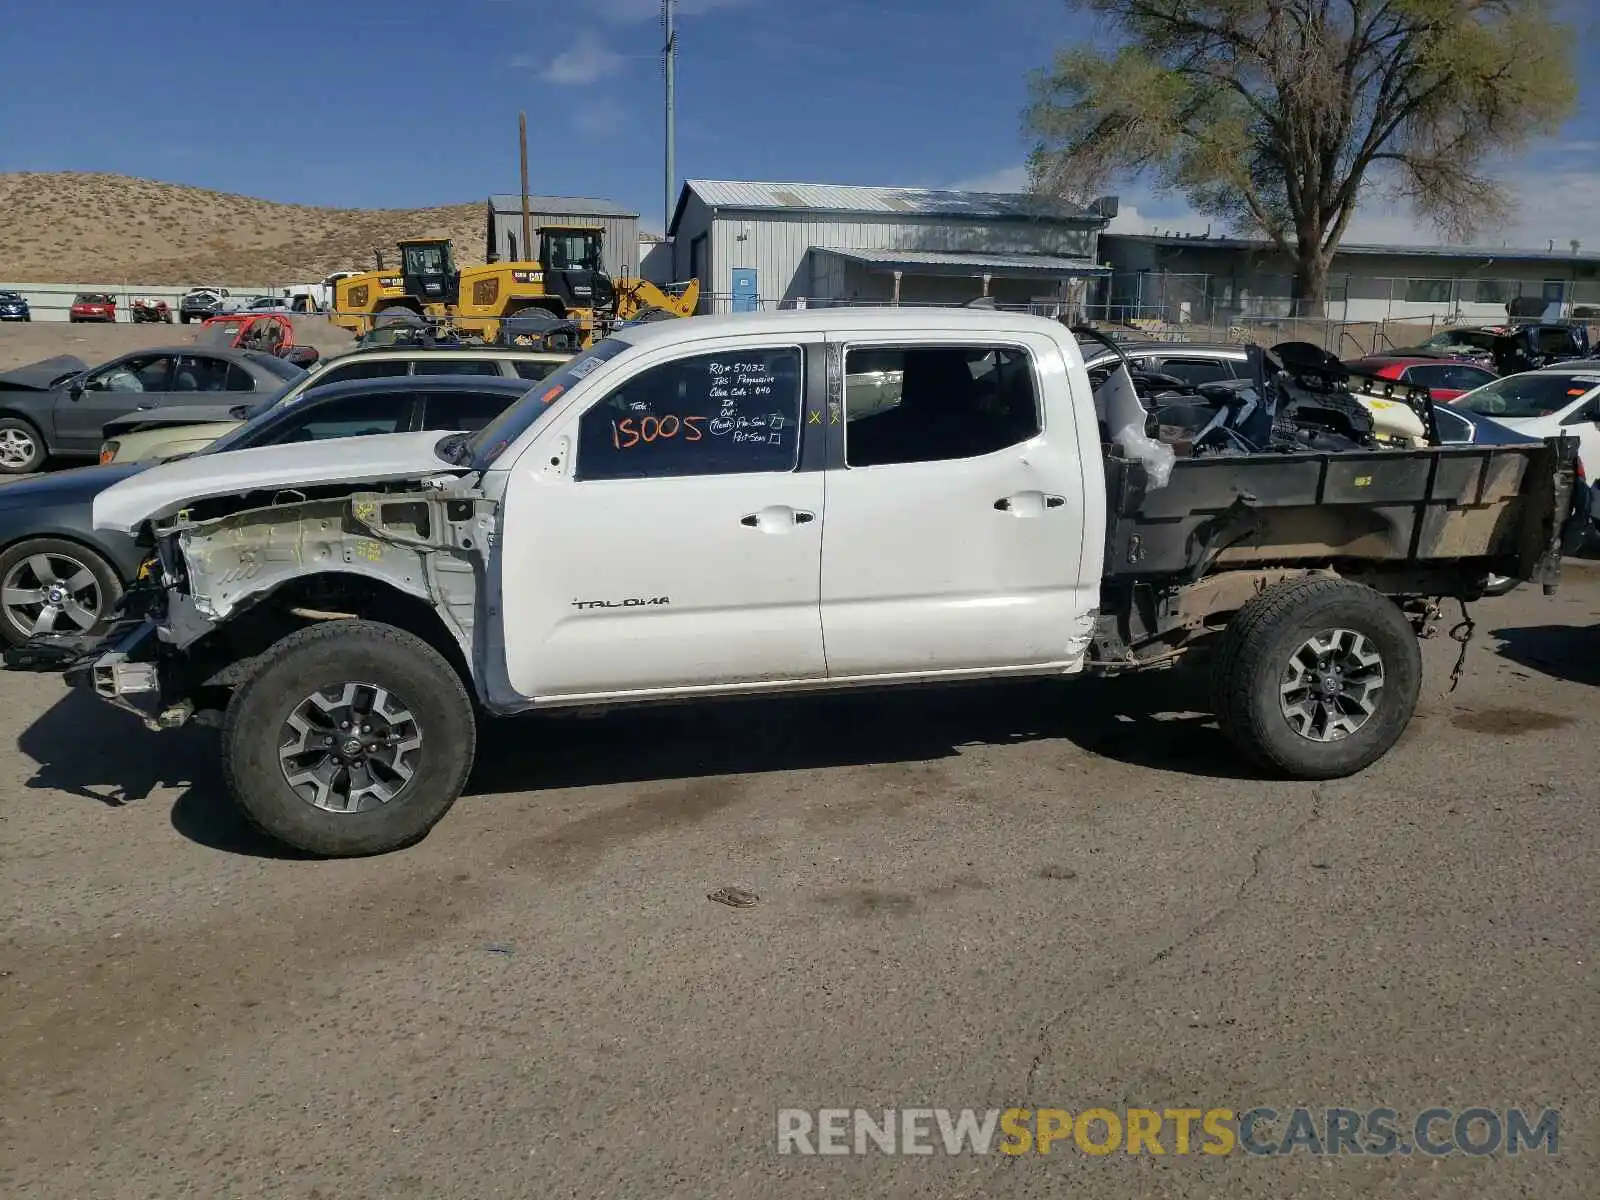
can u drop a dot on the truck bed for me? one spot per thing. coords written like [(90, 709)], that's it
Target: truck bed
[(1494, 508)]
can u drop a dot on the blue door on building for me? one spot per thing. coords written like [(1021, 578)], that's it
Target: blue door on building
[(746, 296)]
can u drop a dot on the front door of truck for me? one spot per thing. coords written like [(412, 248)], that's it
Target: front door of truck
[(955, 535), (667, 536)]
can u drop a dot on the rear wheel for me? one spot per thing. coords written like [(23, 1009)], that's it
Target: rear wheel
[(52, 586), (354, 739), (1317, 678)]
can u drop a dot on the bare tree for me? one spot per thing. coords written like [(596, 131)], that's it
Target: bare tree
[(1276, 114)]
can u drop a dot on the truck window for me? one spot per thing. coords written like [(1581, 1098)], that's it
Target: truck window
[(732, 412), (949, 402)]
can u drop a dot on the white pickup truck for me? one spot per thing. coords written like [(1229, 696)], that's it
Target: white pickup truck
[(710, 507)]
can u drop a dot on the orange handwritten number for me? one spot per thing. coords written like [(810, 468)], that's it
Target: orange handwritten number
[(694, 434), (625, 427)]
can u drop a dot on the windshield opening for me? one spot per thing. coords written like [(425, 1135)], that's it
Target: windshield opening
[(1534, 394), (491, 441)]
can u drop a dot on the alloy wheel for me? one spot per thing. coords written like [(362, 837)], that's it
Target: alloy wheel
[(51, 593), (17, 447), (350, 747), (1332, 685)]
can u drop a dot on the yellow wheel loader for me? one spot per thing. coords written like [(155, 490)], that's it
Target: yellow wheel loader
[(568, 281)]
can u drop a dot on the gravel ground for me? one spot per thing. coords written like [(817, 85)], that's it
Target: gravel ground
[(1037, 894)]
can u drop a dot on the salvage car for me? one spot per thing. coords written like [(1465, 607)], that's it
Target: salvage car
[(61, 575), (1444, 380), (14, 307), (1551, 401), (688, 509), (92, 306), (59, 407), (165, 431), (1510, 348)]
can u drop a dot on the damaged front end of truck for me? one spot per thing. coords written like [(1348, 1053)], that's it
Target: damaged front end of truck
[(231, 575)]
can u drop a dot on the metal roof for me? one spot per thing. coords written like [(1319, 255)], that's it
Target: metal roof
[(1263, 245), (585, 206), (971, 262), (880, 201)]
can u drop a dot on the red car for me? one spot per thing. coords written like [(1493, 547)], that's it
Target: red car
[(93, 306), (1445, 380)]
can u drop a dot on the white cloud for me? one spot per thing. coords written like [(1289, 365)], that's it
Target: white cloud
[(585, 61)]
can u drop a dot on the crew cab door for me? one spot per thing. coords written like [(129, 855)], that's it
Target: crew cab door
[(665, 534), (956, 511)]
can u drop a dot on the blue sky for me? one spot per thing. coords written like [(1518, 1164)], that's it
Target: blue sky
[(358, 103)]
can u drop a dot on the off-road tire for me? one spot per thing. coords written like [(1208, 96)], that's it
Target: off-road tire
[(41, 452), (326, 655), (1256, 648)]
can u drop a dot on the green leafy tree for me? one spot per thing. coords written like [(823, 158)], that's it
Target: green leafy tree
[(1275, 115)]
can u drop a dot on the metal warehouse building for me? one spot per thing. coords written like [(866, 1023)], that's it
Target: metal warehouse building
[(763, 245), (1217, 280), (618, 225)]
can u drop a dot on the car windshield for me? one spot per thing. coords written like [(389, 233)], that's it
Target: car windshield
[(489, 442), (1533, 394)]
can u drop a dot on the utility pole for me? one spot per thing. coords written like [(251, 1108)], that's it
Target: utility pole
[(669, 56), (527, 217)]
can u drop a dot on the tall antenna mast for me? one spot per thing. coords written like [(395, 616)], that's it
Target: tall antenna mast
[(669, 62)]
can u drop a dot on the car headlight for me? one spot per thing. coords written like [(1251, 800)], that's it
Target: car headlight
[(108, 452)]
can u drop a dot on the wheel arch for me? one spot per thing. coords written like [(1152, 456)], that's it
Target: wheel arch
[(342, 595), (125, 564)]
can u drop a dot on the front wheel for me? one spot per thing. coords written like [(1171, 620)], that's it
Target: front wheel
[(355, 738), (1317, 678)]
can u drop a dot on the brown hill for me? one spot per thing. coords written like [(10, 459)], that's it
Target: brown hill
[(74, 227)]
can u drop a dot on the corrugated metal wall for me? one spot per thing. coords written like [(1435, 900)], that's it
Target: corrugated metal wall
[(621, 236), (778, 245)]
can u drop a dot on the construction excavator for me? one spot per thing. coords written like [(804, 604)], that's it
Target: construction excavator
[(569, 282)]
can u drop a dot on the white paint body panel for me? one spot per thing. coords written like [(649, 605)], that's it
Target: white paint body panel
[(922, 573), (908, 572)]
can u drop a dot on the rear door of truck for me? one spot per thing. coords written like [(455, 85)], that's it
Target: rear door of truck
[(956, 507)]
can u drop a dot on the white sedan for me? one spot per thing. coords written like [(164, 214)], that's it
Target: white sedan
[(1549, 402)]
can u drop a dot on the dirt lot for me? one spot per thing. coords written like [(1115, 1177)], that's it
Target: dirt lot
[(1040, 894), (21, 344)]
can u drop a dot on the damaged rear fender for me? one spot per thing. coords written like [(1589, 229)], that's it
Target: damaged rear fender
[(428, 545)]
